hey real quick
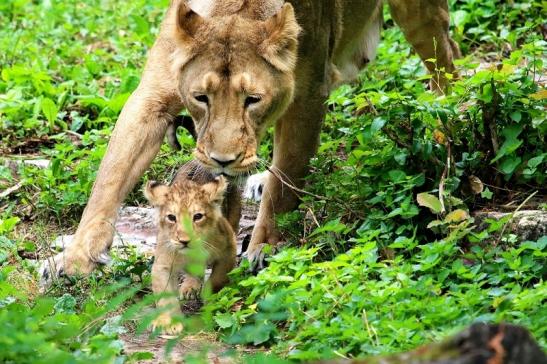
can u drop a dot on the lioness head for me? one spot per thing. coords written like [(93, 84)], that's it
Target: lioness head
[(235, 76), (186, 202)]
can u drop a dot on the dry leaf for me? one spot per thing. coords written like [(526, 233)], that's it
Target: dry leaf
[(439, 137), (476, 185)]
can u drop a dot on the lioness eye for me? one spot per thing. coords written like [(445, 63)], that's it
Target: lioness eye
[(171, 218), (202, 98), (198, 216), (251, 100)]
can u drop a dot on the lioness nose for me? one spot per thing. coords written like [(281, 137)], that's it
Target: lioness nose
[(224, 160), (184, 242)]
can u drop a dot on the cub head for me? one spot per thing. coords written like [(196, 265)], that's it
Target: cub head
[(184, 203), (235, 76)]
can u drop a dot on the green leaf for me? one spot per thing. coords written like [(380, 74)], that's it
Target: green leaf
[(509, 165), (429, 201), (460, 18), (458, 215), (516, 116), (224, 320), (486, 193), (435, 223), (141, 25), (117, 102), (396, 175), (50, 111), (65, 303), (113, 326), (511, 142), (536, 161), (487, 93), (6, 225), (377, 124), (334, 226)]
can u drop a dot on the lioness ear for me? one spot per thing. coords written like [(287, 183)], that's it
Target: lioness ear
[(216, 190), (156, 193), (187, 23), (280, 45)]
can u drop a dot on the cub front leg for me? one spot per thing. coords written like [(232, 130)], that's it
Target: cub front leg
[(232, 206), (221, 268), (165, 278), (135, 141)]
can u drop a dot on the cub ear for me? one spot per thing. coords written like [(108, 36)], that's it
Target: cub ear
[(156, 193), (216, 190), (279, 48), (187, 22)]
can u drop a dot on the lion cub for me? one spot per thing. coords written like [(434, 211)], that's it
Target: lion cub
[(193, 198)]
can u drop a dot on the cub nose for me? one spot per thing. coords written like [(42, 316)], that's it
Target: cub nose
[(224, 160), (184, 243)]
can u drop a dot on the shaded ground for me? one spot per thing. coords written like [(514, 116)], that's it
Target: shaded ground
[(192, 344)]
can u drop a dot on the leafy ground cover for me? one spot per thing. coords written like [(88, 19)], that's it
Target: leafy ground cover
[(384, 252)]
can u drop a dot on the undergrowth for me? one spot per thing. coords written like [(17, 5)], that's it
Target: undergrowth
[(384, 254)]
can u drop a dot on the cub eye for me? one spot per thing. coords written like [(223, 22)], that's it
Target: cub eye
[(198, 216), (251, 100), (171, 218), (202, 98)]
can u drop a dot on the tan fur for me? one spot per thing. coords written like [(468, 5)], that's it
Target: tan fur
[(239, 66), (180, 206)]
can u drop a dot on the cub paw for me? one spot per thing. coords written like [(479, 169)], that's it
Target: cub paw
[(165, 324), (190, 289)]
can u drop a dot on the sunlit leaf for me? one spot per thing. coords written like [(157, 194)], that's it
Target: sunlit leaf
[(429, 201)]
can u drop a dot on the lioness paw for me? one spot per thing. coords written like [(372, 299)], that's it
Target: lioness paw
[(165, 324), (50, 270), (254, 186), (67, 263), (257, 254), (265, 241)]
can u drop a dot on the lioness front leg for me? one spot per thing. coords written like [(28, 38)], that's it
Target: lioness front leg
[(135, 141), (295, 142), (425, 26)]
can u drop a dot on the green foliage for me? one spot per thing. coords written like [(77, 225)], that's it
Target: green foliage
[(65, 76), (508, 24), (384, 256), (49, 330), (359, 303)]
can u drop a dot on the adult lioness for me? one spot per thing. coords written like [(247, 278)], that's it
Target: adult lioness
[(238, 66)]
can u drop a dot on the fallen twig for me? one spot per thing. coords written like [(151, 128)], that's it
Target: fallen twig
[(12, 189)]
